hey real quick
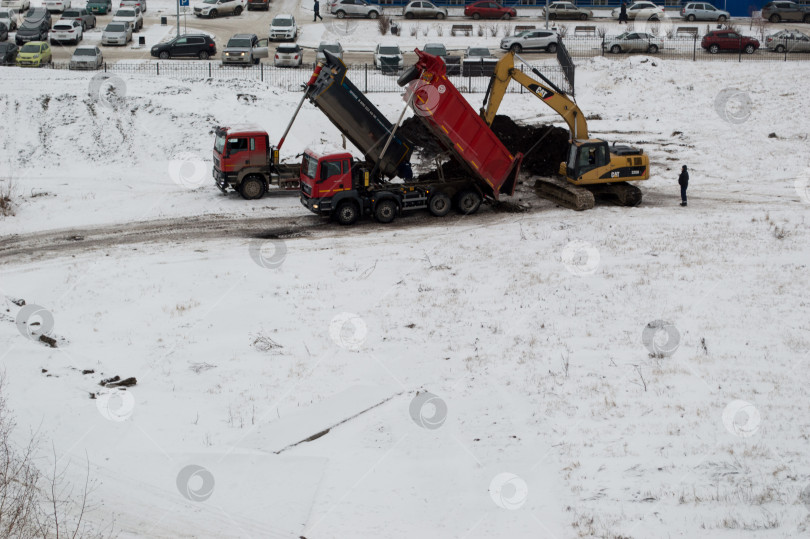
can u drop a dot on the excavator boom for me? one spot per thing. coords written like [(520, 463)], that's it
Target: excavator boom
[(505, 71)]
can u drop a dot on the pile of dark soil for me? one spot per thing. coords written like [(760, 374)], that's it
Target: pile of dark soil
[(544, 146)]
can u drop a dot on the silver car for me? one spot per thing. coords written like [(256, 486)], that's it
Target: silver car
[(86, 57), (332, 46), (245, 49), (288, 55), (354, 8), (388, 53), (788, 40), (531, 39), (9, 17), (424, 10), (132, 15), (566, 10), (117, 33), (634, 42), (701, 11), (141, 4), (436, 49)]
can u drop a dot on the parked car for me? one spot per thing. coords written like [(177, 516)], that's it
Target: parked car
[(8, 54), (39, 14), (288, 55), (283, 27), (389, 51), (258, 4), (32, 30), (189, 45), (215, 8), (701, 11), (56, 5), (66, 32), (531, 39), (10, 18), (436, 49), (132, 15), (245, 49), (100, 7), (786, 11), (566, 10), (728, 40), (3, 31), (355, 8), (332, 46), (86, 57), (87, 19), (20, 5), (34, 54), (116, 33), (140, 4), (485, 9), (478, 53), (634, 42), (788, 40), (424, 10), (643, 11)]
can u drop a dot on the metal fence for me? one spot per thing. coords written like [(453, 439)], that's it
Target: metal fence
[(364, 76), (682, 48)]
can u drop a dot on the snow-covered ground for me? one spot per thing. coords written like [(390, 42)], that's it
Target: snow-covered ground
[(553, 408)]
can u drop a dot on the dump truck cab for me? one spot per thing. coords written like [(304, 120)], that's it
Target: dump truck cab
[(331, 180), (246, 160)]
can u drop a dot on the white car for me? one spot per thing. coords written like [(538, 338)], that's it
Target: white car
[(10, 18), (332, 46), (66, 32), (283, 28), (134, 3), (117, 33), (56, 5), (642, 11), (288, 55), (635, 42), (132, 15), (215, 8), (388, 50), (531, 39), (20, 5), (86, 57)]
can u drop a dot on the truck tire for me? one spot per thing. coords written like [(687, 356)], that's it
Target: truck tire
[(468, 202), (439, 204), (252, 188), (385, 211), (347, 213)]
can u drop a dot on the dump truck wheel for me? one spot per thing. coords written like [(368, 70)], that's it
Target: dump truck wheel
[(252, 188), (439, 204), (468, 202), (347, 213), (385, 211)]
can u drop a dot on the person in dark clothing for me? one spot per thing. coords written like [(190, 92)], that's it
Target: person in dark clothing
[(683, 181), (623, 13), (317, 9)]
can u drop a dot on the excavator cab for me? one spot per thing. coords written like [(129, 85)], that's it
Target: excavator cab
[(585, 158)]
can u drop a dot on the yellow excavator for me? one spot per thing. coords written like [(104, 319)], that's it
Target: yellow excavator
[(592, 166)]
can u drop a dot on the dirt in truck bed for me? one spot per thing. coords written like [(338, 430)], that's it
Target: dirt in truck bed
[(544, 146)]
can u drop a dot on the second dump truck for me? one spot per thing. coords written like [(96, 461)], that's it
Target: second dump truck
[(336, 184)]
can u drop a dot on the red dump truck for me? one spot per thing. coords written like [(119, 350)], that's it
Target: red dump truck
[(245, 160), (337, 185)]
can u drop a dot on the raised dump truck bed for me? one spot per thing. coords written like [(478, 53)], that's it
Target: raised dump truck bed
[(331, 91), (459, 128)]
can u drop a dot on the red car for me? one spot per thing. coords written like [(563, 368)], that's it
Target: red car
[(484, 9), (728, 40)]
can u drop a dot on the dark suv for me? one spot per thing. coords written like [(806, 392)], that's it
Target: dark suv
[(786, 11), (190, 45), (728, 40), (35, 27)]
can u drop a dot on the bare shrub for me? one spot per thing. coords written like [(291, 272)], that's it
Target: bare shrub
[(563, 30), (480, 31), (601, 31), (384, 24), (439, 29), (414, 30), (7, 198), (425, 30), (670, 32)]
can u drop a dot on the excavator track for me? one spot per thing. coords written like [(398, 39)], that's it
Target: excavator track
[(622, 194), (564, 194)]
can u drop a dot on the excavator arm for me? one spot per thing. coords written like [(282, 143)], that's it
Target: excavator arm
[(552, 96)]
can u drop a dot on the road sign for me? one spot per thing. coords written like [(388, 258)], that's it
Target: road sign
[(183, 3)]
